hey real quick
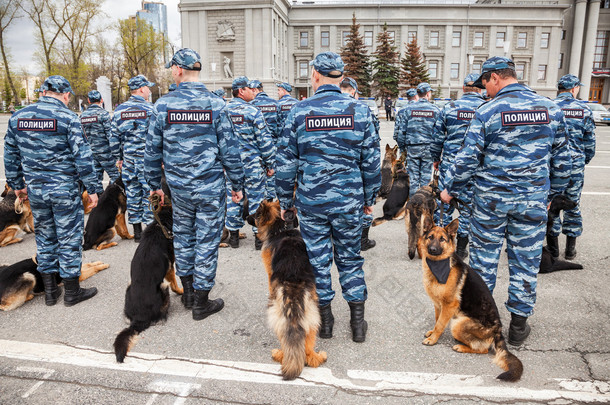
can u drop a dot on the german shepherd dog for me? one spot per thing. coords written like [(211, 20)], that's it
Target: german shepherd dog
[(548, 263), (394, 206), (293, 302), (460, 294), (21, 281), (420, 205), (15, 215), (152, 268), (107, 219), (387, 170)]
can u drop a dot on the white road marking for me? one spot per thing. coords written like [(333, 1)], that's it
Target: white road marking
[(363, 381), (181, 389), (595, 193), (597, 167), (46, 373)]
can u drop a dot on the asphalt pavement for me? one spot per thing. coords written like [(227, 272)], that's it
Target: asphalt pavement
[(63, 355)]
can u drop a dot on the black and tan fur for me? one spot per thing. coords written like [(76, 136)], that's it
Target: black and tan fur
[(293, 303), (465, 300), (394, 206), (387, 170), (15, 215), (107, 219), (147, 296), (420, 205), (548, 263), (21, 281)]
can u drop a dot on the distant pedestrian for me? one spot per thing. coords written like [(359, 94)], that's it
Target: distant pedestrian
[(388, 104)]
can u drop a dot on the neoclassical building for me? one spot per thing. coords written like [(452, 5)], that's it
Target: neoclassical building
[(273, 40)]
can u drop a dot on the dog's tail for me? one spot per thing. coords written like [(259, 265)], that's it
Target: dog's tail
[(512, 366), (564, 265), (126, 339), (380, 220)]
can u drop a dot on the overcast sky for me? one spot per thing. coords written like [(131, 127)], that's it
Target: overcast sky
[(22, 45)]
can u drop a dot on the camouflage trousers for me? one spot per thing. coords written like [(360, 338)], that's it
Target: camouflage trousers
[(523, 224), (419, 169), (254, 189), (137, 191), (101, 164), (197, 229), (270, 193), (448, 210), (325, 234), (59, 223), (367, 220), (571, 224)]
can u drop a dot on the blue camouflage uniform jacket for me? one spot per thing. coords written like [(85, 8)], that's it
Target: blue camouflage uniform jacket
[(581, 128), (254, 137), (190, 133), (97, 127), (44, 142), (451, 125), (330, 148), (271, 111), (516, 148), (286, 103), (414, 124), (130, 125)]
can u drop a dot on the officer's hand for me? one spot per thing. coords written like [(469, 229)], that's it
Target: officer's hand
[(293, 209), (435, 165), (160, 193), (368, 210), (270, 172), (236, 196), (119, 164), (92, 201), (22, 194), (446, 197)]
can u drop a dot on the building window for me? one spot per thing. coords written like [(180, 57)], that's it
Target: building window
[(392, 36), (368, 38), (522, 40), (344, 37), (412, 36), (303, 69), (433, 39), (432, 69), (541, 72), (544, 40), (560, 61), (456, 39), (601, 50), (325, 38), (500, 37), (304, 39), (520, 69), (563, 34), (476, 68), (455, 70), (478, 39)]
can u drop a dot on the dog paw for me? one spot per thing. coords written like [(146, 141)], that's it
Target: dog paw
[(316, 359), (223, 245), (430, 332), (431, 341), (277, 355)]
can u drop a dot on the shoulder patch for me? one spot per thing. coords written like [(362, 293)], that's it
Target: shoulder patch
[(329, 122), (189, 116), (531, 117), (267, 108), (422, 113), (36, 124), (287, 107), (465, 115), (237, 119), (88, 120), (573, 113), (133, 115)]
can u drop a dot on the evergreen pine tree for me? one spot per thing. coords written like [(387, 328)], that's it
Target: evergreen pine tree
[(385, 66), (412, 66), (354, 55)]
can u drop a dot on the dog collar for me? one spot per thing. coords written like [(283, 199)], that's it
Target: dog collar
[(440, 269)]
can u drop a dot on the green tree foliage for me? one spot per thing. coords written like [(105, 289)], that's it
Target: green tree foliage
[(385, 66), (356, 59), (413, 67), (142, 47), (9, 10)]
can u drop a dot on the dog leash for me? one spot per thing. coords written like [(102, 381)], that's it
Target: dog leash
[(155, 207)]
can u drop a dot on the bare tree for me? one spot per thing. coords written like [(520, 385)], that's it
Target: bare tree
[(142, 46), (8, 13)]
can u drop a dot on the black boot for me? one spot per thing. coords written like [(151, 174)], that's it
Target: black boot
[(234, 239), (357, 322), (258, 244), (74, 294), (51, 291), (365, 242), (188, 295), (519, 330), (204, 307), (328, 321), (137, 232), (552, 243), (462, 244), (570, 248)]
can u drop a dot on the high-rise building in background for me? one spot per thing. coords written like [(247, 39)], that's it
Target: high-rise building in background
[(155, 13)]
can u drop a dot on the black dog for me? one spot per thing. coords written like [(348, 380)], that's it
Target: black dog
[(107, 219), (548, 263), (394, 206)]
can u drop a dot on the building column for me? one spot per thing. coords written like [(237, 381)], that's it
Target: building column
[(587, 60), (578, 27)]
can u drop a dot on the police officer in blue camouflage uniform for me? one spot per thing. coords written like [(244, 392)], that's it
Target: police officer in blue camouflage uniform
[(286, 101), (449, 131), (97, 126), (257, 151), (220, 92), (412, 96), (413, 134), (271, 111), (172, 87), (329, 147), (44, 143), (581, 129), (130, 126), (516, 153), (190, 135), (350, 86)]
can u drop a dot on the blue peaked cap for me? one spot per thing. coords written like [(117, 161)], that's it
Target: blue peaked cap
[(185, 58), (57, 84), (568, 82), (491, 65), (423, 88), (285, 86), (411, 93), (94, 96), (239, 83), (326, 63), (139, 81)]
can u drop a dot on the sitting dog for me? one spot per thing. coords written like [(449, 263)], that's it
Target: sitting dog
[(107, 219), (394, 207), (460, 294), (420, 205), (387, 171), (15, 215), (21, 281), (293, 303), (152, 267)]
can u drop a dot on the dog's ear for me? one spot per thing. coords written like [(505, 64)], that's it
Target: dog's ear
[(428, 223), (453, 227), (6, 190), (395, 149), (387, 147)]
